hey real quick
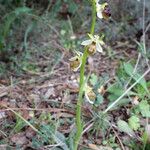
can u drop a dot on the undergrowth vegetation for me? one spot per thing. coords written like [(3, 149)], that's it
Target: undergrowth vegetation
[(47, 103)]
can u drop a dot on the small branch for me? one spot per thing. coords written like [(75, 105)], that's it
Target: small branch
[(118, 139)]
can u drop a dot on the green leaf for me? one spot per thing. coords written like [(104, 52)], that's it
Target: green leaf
[(10, 18), (134, 122), (22, 10), (146, 138), (93, 79), (112, 97), (118, 90), (60, 138), (99, 100), (130, 70), (144, 108), (124, 127), (72, 7), (19, 124)]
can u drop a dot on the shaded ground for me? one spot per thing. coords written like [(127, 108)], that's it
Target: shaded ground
[(55, 93), (43, 90)]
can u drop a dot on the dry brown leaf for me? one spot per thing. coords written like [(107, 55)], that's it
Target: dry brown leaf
[(35, 98), (19, 139), (30, 133), (101, 90), (50, 92), (95, 147), (4, 104), (135, 100), (2, 115)]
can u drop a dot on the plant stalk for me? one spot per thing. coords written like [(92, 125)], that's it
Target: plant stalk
[(93, 17), (79, 123)]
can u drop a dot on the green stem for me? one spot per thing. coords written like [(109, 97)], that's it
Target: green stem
[(79, 123), (93, 16)]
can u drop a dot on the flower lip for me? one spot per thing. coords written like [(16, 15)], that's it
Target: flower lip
[(92, 48), (106, 12)]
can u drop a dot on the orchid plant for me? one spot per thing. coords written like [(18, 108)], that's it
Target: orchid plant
[(91, 46)]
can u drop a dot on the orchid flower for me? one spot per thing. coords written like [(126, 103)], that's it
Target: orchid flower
[(103, 10), (94, 44), (90, 96), (76, 61)]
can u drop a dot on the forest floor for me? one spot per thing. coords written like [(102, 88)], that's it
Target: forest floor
[(43, 99)]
